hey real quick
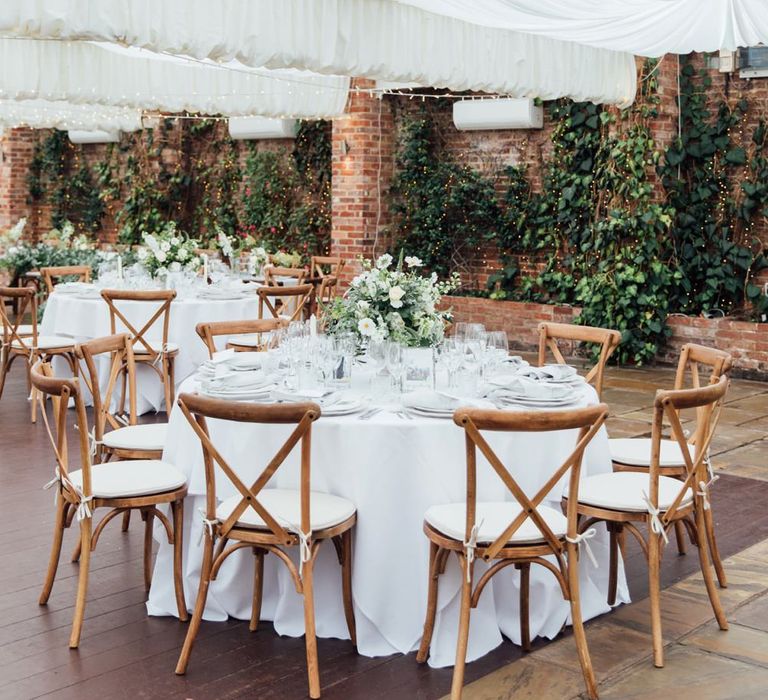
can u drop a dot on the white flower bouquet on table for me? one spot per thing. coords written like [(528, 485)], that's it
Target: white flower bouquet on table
[(12, 236), (168, 250), (392, 303)]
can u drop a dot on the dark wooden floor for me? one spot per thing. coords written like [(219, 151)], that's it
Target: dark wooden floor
[(126, 654)]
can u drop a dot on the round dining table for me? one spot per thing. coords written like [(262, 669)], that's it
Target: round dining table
[(86, 316), (393, 467)]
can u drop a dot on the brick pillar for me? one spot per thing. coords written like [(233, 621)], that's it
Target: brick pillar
[(363, 162), (664, 126), (16, 150)]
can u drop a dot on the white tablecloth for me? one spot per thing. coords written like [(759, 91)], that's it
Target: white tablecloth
[(393, 469), (85, 318)]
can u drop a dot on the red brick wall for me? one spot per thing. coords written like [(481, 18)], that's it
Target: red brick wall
[(16, 147)]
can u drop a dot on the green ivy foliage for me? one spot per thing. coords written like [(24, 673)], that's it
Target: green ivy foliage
[(443, 211)]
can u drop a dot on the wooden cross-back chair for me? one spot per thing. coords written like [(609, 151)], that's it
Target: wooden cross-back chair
[(243, 336), (118, 486), (292, 299), (634, 454), (626, 499), (269, 520), (520, 532), (607, 339), (327, 266), (273, 273), (51, 275), (327, 290), (24, 341), (159, 355)]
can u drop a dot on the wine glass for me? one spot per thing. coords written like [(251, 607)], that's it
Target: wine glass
[(452, 356), (394, 358)]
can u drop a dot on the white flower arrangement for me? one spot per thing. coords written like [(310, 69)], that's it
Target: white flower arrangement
[(224, 242), (397, 303), (168, 250), (12, 236)]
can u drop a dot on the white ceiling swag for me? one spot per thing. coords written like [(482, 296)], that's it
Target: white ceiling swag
[(380, 39)]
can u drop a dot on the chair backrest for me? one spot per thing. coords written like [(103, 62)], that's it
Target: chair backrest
[(693, 356), (269, 296), (273, 273), (586, 420), (25, 301), (607, 339), (328, 289), (708, 402), (327, 265), (198, 408), (62, 392), (120, 349), (52, 274), (210, 330), (158, 304)]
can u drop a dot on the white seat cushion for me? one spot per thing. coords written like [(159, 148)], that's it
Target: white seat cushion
[(284, 505), (46, 342), (140, 477), (156, 345), (137, 437), (624, 491), (636, 452), (494, 518), (24, 329)]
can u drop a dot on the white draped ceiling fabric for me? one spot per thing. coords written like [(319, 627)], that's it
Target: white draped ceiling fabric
[(642, 27), (44, 114), (380, 39)]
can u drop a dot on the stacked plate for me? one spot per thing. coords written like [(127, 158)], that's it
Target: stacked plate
[(332, 403), (239, 386), (552, 374), (76, 288), (437, 404), (522, 391), (221, 293)]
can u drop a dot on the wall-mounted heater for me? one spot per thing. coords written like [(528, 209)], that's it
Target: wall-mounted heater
[(94, 136), (255, 128), (503, 113), (753, 62)]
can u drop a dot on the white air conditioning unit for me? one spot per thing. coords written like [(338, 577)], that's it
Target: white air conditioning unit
[(254, 128), (94, 136), (504, 113)]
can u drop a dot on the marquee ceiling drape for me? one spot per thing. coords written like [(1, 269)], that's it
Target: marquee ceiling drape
[(44, 114), (381, 39)]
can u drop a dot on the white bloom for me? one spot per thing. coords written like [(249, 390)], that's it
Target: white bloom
[(175, 267), (142, 253), (366, 326), (165, 246), (413, 261), (363, 305), (384, 261), (175, 241), (182, 254), (161, 256), (396, 295)]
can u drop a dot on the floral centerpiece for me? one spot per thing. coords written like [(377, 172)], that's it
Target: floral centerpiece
[(396, 303), (284, 258), (10, 237), (168, 250)]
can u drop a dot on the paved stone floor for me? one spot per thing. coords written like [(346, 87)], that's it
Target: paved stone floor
[(701, 661)]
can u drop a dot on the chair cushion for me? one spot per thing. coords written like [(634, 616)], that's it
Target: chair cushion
[(624, 491), (24, 329), (636, 452), (494, 518), (140, 477), (156, 345), (137, 437), (284, 505), (46, 342)]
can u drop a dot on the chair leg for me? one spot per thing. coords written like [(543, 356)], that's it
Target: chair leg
[(680, 536), (177, 509), (4, 365), (53, 562), (148, 523), (197, 615), (76, 552), (82, 582), (525, 589), (167, 385), (172, 380), (654, 591), (258, 587), (709, 526), (706, 571), (613, 561), (126, 520), (578, 624), (461, 643), (33, 396), (310, 638), (429, 620), (346, 585)]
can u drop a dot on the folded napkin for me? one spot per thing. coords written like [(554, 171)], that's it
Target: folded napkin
[(516, 387), (322, 397), (238, 380), (548, 373), (441, 401)]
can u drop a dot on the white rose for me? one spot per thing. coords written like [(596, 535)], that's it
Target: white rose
[(165, 246), (161, 256), (363, 305), (366, 326), (175, 267), (413, 261), (142, 253), (175, 241), (396, 295), (182, 254)]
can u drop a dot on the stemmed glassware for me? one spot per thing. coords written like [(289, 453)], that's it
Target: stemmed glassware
[(394, 358)]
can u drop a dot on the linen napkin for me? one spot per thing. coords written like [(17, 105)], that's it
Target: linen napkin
[(549, 373), (509, 388)]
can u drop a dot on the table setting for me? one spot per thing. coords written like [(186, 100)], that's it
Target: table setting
[(386, 441)]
